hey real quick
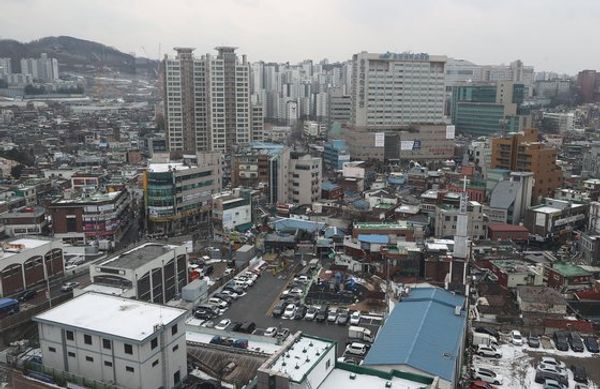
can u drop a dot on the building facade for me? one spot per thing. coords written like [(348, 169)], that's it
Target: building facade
[(305, 176)]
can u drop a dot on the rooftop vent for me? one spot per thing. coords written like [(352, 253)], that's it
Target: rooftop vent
[(388, 384), (352, 376), (457, 310), (297, 366)]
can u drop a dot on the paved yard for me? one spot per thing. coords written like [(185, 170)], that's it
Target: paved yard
[(259, 300)]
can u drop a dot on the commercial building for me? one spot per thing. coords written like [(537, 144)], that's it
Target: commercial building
[(510, 199), (178, 194), (340, 108), (523, 152), (561, 275), (115, 340), (27, 262), (512, 273), (588, 83), (207, 101), (233, 211), (263, 166), (97, 216), (446, 217), (392, 94), (25, 221), (305, 176), (558, 122), (556, 219), (487, 109), (505, 231), (314, 129), (148, 272), (335, 153), (425, 335)]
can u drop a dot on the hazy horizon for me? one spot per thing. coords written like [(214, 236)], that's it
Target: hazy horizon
[(484, 32)]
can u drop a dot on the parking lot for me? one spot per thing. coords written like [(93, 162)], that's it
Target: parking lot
[(260, 299), (518, 365)]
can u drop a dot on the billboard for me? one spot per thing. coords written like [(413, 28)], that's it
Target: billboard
[(450, 132), (379, 139)]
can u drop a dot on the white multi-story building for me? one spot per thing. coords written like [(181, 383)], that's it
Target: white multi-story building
[(305, 179), (393, 89), (207, 101), (561, 121), (5, 66), (119, 341), (42, 69)]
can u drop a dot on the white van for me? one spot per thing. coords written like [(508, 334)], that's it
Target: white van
[(356, 348)]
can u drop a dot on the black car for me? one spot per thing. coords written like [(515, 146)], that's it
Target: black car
[(485, 330), (322, 314), (203, 314), (235, 289), (278, 310), (247, 327), (236, 326), (300, 312), (591, 344), (560, 341), (579, 374), (343, 317), (542, 376), (27, 295), (576, 342), (533, 341)]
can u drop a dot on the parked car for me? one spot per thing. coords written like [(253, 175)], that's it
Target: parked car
[(236, 326), (283, 333), (488, 351), (485, 330), (278, 310), (576, 342), (487, 375), (552, 384), (240, 343), (69, 286), (343, 317), (223, 324), (542, 376), (321, 315), (516, 338), (208, 269), (332, 315), (203, 314), (247, 327), (533, 341), (289, 312), (553, 362), (230, 293), (579, 374), (271, 332), (560, 341), (355, 318), (228, 299), (208, 324), (551, 369), (356, 348), (591, 343), (300, 312), (27, 295), (311, 312), (349, 360), (221, 340), (481, 385)]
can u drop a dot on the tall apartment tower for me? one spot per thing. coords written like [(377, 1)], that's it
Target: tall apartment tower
[(207, 101)]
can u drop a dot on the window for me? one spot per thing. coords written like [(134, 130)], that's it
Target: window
[(327, 364), (155, 363), (52, 349), (87, 339), (128, 348), (176, 377), (71, 354), (89, 359), (106, 344), (174, 329), (154, 343), (129, 369), (107, 364), (175, 348), (70, 335)]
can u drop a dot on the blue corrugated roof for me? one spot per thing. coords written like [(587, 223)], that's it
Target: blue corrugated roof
[(329, 186), (374, 238), (333, 231), (422, 332), (288, 224)]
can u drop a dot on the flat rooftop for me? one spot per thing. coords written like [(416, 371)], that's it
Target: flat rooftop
[(300, 358), (16, 246), (111, 315), (163, 167), (339, 378), (138, 256), (400, 225)]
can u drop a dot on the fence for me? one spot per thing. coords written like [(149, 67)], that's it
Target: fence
[(61, 378)]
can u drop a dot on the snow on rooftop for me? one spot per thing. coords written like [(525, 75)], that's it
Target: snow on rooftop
[(29, 243), (300, 358), (163, 167), (253, 345), (339, 378), (111, 315)]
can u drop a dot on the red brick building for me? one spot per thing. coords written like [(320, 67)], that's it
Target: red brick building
[(504, 231)]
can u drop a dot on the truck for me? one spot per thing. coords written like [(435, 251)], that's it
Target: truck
[(360, 333), (484, 339)]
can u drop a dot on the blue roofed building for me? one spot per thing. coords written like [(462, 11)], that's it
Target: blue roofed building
[(424, 334), (335, 153)]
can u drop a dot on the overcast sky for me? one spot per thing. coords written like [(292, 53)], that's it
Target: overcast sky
[(558, 35)]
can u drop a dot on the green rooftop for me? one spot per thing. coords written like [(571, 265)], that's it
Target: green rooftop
[(569, 270), (400, 225)]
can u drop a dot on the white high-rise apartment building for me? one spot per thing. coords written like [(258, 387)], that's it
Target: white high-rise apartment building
[(5, 66), (393, 89), (42, 69), (207, 101)]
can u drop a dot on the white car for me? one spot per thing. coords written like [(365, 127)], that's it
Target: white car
[(271, 332), (249, 274), (553, 362), (488, 351), (355, 318), (69, 286), (487, 375), (218, 302), (223, 324), (552, 369), (231, 294), (289, 312), (516, 338), (302, 279), (356, 348)]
